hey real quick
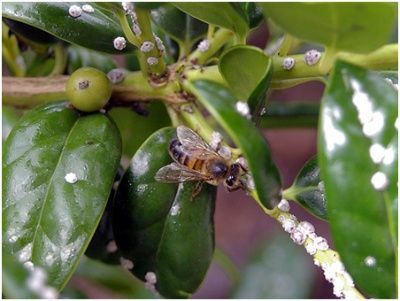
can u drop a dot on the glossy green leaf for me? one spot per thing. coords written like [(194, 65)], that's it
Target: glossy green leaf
[(221, 105), (222, 14), (250, 11), (358, 115), (308, 189), (183, 28), (135, 128), (47, 220), (112, 277), (248, 81), (10, 117), (80, 57), (279, 270), (30, 32), (95, 30), (159, 227), (14, 279), (355, 26)]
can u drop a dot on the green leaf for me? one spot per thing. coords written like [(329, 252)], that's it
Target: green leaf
[(308, 189), (222, 14), (159, 227), (358, 114), (250, 11), (279, 270), (135, 128), (248, 81), (181, 27), (81, 57), (221, 105), (29, 32), (95, 30), (14, 278), (356, 27), (114, 278), (47, 220), (40, 65), (10, 117)]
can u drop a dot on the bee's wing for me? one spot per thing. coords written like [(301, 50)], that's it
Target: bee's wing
[(175, 173), (193, 145)]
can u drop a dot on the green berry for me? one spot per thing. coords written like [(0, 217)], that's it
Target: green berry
[(88, 89)]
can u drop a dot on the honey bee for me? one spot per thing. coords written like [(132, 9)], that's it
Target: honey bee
[(195, 160)]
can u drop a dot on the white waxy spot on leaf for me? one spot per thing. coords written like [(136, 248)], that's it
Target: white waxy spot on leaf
[(119, 43), (49, 259), (29, 265), (284, 205), (370, 261), (26, 253), (126, 263), (147, 46), (111, 247), (312, 57), (140, 163), (88, 8), (203, 46), (288, 63), (243, 108), (71, 178), (375, 125), (152, 60), (13, 238), (376, 152), (48, 293), (334, 136), (75, 11), (379, 180), (175, 210), (389, 156)]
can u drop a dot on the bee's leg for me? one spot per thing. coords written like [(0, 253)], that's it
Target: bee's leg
[(197, 189)]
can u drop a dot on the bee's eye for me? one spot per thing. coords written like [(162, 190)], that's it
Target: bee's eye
[(230, 180)]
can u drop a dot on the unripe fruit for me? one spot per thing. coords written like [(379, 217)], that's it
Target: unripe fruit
[(88, 89)]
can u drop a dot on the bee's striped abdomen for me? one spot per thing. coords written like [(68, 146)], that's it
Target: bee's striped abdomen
[(176, 152)]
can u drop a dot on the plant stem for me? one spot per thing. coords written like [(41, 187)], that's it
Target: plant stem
[(126, 29), (143, 19), (61, 59), (220, 37), (384, 58), (286, 45), (29, 92)]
